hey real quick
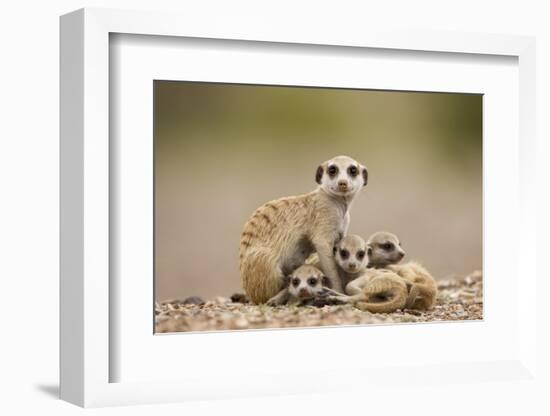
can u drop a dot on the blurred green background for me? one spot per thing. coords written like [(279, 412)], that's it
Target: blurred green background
[(222, 150)]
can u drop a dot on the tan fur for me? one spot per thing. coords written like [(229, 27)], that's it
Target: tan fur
[(377, 291), (419, 290), (351, 267), (385, 292), (421, 280), (384, 248), (281, 234), (422, 286)]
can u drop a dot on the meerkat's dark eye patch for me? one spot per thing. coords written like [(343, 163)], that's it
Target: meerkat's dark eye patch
[(344, 254), (360, 254), (369, 251), (353, 171), (332, 171), (387, 246), (365, 176), (312, 281), (319, 175), (295, 282)]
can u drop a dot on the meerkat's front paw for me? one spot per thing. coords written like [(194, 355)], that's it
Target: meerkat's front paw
[(272, 302), (338, 298), (322, 301)]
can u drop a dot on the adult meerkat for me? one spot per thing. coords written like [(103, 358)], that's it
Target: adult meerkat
[(385, 251), (281, 234), (304, 284)]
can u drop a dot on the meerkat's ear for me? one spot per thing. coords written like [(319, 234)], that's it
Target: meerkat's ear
[(319, 174), (365, 174), (326, 282)]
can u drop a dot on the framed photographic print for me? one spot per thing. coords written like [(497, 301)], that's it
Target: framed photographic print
[(222, 150), (233, 200)]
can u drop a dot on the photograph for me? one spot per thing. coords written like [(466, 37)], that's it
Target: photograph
[(285, 206)]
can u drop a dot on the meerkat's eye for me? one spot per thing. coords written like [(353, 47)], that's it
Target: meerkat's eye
[(387, 246), (332, 170), (353, 171), (295, 282), (312, 281), (369, 251), (360, 254), (344, 254)]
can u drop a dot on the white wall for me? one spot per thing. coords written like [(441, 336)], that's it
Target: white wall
[(29, 179)]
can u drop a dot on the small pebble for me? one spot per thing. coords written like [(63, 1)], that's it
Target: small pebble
[(193, 300), (239, 298)]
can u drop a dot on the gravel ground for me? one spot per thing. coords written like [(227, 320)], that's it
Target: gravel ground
[(458, 299)]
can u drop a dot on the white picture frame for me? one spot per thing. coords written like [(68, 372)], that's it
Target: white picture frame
[(87, 301)]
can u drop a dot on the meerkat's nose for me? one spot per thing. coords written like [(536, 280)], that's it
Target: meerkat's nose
[(401, 255), (303, 292), (342, 184), (352, 265)]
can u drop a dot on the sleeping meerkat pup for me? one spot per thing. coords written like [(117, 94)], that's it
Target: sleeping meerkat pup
[(303, 285), (282, 233)]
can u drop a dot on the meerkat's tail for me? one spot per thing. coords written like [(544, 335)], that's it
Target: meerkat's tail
[(413, 291), (385, 293)]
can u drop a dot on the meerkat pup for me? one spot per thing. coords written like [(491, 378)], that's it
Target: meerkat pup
[(304, 284), (281, 234), (385, 251), (350, 254), (378, 291)]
